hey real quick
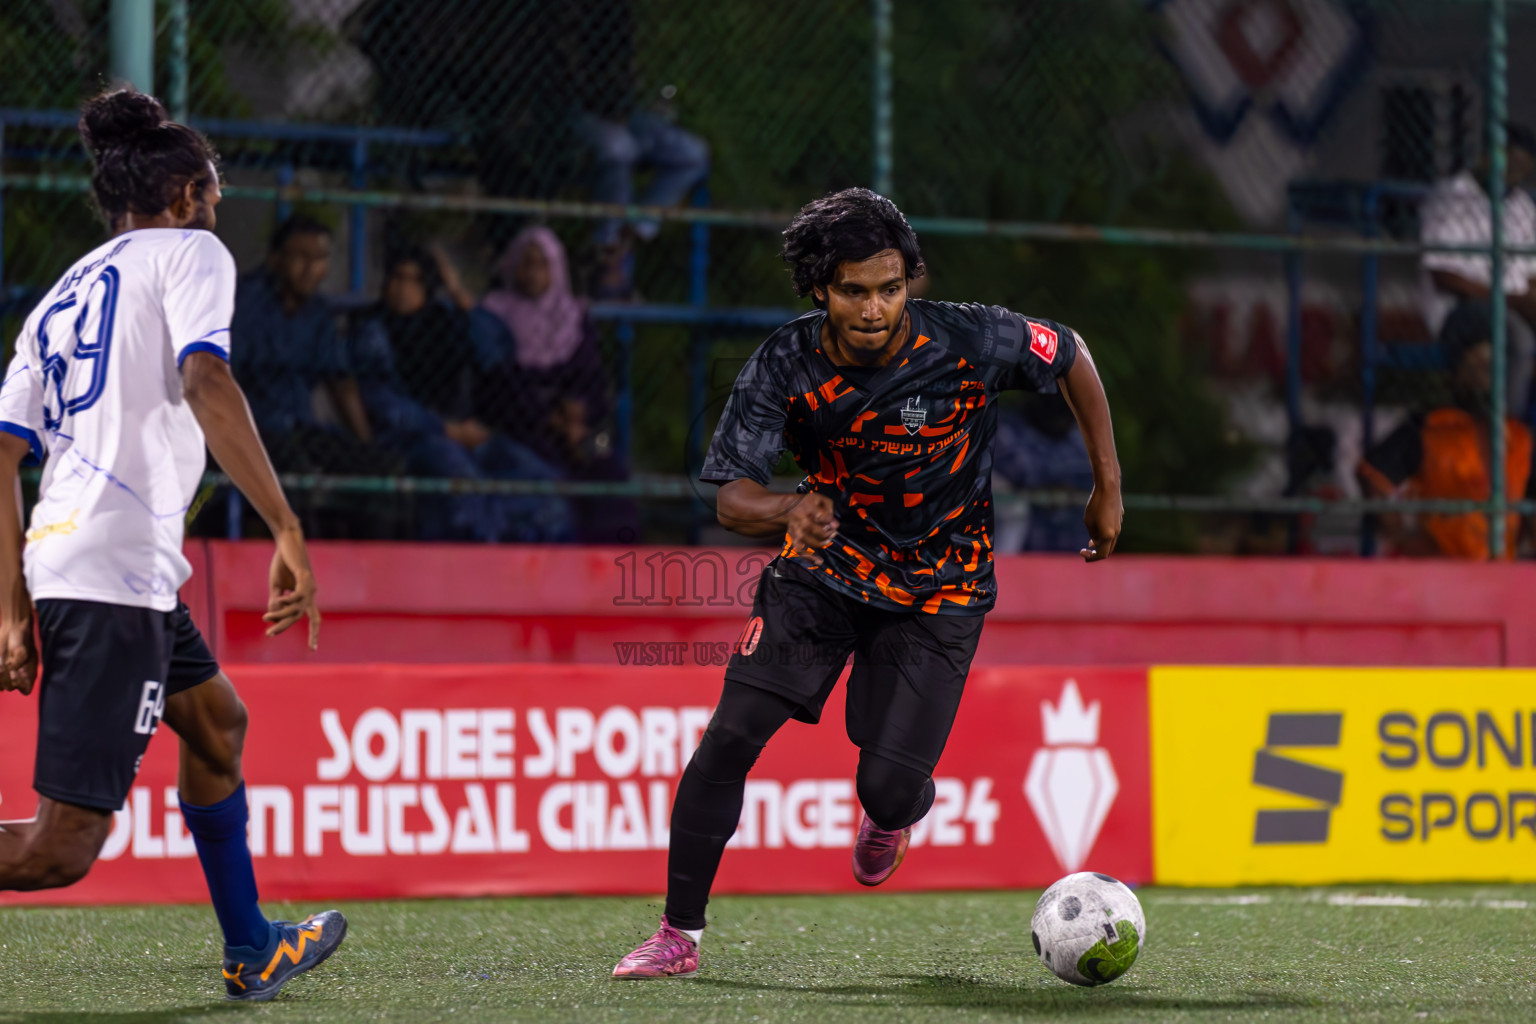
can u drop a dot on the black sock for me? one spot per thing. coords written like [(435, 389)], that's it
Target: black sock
[(707, 808), (704, 817)]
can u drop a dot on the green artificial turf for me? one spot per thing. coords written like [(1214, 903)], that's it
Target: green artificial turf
[(1443, 953)]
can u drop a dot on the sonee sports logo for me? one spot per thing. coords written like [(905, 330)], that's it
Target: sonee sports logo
[(1274, 771)]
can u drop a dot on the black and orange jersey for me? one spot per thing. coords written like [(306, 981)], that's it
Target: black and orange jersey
[(904, 451)]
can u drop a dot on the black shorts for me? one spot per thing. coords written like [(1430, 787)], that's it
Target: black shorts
[(909, 668), (107, 671)]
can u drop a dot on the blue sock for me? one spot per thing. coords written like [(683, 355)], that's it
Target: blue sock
[(219, 832)]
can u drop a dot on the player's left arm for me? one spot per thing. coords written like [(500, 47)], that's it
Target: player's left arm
[(1084, 392)]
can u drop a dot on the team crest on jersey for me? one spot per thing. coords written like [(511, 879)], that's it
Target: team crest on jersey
[(914, 415)]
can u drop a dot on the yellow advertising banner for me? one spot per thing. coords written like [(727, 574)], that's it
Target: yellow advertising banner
[(1302, 775)]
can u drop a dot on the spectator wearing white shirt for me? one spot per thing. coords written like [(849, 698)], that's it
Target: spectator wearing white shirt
[(1456, 213)]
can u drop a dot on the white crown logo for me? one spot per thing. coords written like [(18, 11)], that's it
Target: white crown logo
[(1069, 722), (1071, 783)]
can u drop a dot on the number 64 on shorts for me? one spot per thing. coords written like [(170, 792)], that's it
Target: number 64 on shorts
[(151, 708)]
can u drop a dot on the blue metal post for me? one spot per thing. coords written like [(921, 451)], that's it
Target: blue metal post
[(1292, 364), (1370, 277), (357, 221), (698, 256), (132, 27), (880, 94), (624, 399), (698, 342), (284, 179), (234, 511), (176, 91), (1498, 103), (1293, 328), (2, 208)]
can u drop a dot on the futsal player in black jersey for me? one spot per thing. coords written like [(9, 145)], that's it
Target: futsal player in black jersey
[(888, 405)]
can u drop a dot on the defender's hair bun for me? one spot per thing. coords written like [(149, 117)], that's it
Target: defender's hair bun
[(118, 117)]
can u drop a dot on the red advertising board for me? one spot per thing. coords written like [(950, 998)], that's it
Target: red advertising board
[(394, 780)]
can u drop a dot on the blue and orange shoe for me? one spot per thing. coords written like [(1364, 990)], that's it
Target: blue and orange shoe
[(299, 948), (878, 853), (667, 954)]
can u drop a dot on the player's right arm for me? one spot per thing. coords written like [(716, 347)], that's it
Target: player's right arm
[(752, 510), (747, 444), (199, 301), (19, 667), (21, 430)]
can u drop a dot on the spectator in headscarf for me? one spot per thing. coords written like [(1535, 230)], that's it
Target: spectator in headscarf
[(544, 382), (413, 359)]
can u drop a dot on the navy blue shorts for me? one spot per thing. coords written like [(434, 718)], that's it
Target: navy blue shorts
[(107, 671)]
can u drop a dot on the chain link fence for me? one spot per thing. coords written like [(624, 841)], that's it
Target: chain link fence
[(1230, 199)]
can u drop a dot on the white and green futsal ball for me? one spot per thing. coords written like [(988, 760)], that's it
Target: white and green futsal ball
[(1088, 928)]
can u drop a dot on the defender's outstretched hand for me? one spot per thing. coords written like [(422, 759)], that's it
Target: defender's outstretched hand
[(222, 412), (292, 588)]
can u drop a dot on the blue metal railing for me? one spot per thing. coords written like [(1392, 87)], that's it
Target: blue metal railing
[(705, 322), (1358, 207), (357, 138)]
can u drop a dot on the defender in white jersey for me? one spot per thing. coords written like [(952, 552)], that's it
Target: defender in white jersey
[(120, 377)]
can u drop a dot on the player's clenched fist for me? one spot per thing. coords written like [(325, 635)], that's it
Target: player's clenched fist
[(1103, 518), (812, 525), (20, 665)]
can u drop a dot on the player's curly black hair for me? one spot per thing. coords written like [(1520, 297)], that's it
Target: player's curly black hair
[(142, 159), (851, 225)]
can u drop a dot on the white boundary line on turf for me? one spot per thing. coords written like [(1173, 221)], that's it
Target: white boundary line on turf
[(1339, 899)]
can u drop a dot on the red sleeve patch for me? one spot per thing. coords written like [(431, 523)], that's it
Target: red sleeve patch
[(1042, 341)]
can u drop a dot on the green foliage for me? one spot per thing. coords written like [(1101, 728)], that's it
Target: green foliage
[(265, 28), (1002, 111), (56, 55)]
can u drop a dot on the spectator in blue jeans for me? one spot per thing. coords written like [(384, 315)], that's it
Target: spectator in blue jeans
[(623, 137), (647, 139), (415, 367)]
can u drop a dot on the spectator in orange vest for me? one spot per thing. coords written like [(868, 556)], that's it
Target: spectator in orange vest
[(1445, 454)]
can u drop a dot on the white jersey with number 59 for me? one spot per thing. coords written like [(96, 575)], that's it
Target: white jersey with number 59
[(95, 389)]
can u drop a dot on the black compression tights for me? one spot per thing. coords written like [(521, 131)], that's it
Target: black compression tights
[(709, 795)]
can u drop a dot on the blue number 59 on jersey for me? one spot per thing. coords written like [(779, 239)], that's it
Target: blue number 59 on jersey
[(73, 345)]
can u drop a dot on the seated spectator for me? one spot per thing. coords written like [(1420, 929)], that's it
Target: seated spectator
[(1456, 213), (544, 382), (284, 346), (1039, 448), (413, 359), (1444, 454)]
